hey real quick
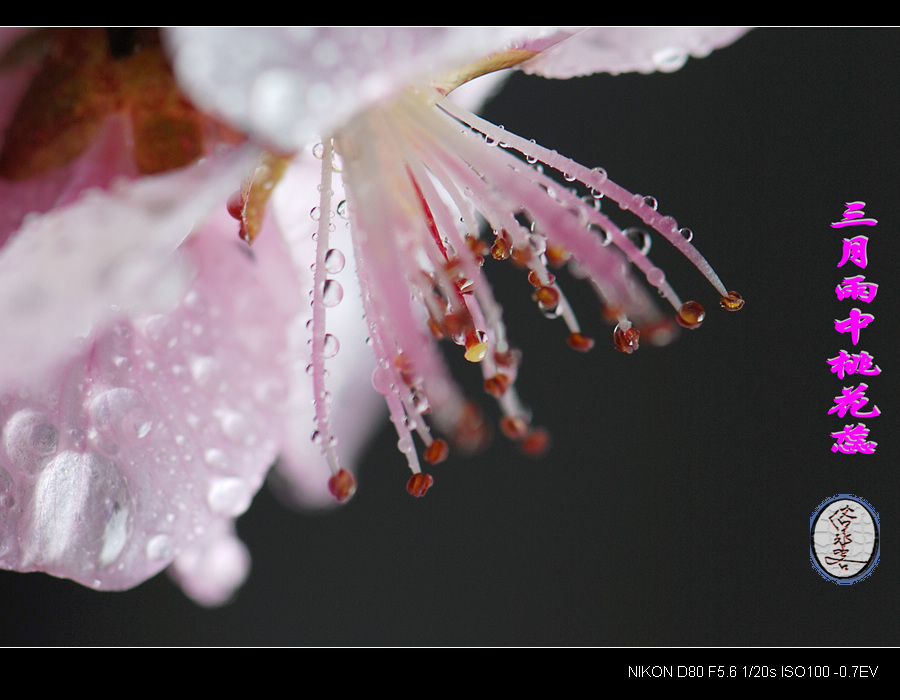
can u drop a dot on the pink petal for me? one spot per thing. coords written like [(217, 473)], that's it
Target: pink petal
[(288, 85), (156, 434), (109, 252), (625, 49)]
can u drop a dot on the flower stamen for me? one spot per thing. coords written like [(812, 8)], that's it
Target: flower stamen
[(419, 187)]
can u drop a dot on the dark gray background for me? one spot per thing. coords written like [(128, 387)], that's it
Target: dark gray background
[(674, 508)]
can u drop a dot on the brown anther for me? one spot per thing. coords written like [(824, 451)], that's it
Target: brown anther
[(536, 443), (500, 250), (691, 314), (406, 369), (514, 427), (418, 484), (611, 314), (497, 385), (522, 256), (436, 452), (471, 432), (557, 256), (457, 324), (476, 346), (731, 302), (342, 485), (478, 248), (508, 358), (546, 297), (534, 279), (580, 342), (464, 284), (626, 340), (435, 328), (661, 332)]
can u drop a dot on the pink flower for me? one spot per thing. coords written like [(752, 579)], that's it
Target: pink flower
[(155, 366)]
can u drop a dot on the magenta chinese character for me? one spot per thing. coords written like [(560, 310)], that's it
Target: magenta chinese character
[(853, 439), (853, 216), (861, 363), (852, 399), (852, 325), (855, 252), (856, 288)]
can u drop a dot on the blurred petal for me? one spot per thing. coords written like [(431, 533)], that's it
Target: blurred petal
[(108, 253), (288, 85), (159, 429), (626, 49)]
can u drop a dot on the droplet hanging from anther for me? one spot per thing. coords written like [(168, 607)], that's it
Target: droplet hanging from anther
[(342, 485), (731, 301), (419, 484), (626, 340), (691, 314), (476, 346)]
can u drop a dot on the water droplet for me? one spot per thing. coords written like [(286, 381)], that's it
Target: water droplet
[(669, 59), (159, 547), (229, 496), (691, 314), (625, 339), (732, 301), (28, 437), (318, 150), (315, 214), (656, 276), (234, 425), (405, 444), (333, 293), (121, 413), (640, 238), (334, 261), (216, 458), (330, 347), (115, 534), (651, 202), (80, 503), (202, 368), (381, 381), (342, 209), (686, 234)]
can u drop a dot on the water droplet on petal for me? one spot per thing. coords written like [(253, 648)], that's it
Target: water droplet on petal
[(216, 458), (29, 436), (229, 496), (159, 547)]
